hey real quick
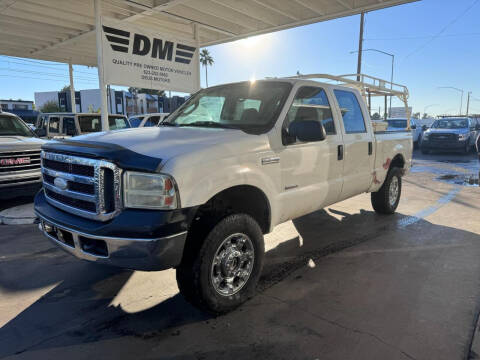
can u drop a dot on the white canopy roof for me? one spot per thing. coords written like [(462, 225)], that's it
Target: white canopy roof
[(64, 30)]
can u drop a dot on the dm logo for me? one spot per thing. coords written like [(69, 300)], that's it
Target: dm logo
[(143, 45)]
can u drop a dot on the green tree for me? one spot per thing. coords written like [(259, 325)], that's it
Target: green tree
[(376, 116), (50, 106), (416, 115), (206, 60), (65, 88)]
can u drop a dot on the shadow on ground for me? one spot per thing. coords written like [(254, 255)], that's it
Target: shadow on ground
[(73, 313)]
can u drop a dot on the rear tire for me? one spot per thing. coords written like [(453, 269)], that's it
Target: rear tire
[(385, 200), (225, 272)]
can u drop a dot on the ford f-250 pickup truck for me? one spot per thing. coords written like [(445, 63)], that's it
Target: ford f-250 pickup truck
[(199, 192)]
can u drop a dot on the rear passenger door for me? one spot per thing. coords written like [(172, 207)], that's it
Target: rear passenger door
[(358, 158), (311, 172)]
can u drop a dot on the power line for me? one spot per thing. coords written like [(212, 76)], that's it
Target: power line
[(443, 29), (48, 74), (34, 78), (422, 37), (44, 66)]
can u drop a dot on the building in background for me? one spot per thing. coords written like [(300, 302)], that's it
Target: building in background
[(118, 101), (22, 108)]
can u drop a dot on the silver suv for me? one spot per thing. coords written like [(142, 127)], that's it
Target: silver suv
[(19, 157)]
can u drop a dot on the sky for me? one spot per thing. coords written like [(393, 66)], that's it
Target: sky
[(435, 43)]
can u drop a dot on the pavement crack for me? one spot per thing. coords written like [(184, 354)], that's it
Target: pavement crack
[(351, 329)]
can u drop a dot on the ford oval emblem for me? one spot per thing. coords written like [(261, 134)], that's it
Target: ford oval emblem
[(60, 183)]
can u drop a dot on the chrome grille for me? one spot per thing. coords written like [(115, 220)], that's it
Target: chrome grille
[(15, 161), (89, 188)]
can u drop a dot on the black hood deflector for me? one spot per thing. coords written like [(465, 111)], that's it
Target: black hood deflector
[(122, 157)]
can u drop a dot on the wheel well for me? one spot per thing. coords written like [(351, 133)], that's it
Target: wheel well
[(244, 199), (398, 162)]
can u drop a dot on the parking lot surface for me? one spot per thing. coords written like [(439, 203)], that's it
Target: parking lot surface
[(341, 283)]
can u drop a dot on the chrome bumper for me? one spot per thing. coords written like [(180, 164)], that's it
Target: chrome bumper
[(131, 253)]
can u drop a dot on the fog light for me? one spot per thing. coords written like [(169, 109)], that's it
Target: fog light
[(48, 228)]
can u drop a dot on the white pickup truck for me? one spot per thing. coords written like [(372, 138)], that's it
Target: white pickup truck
[(199, 192)]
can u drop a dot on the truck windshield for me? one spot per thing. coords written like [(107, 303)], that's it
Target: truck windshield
[(92, 123), (10, 125), (450, 124), (135, 121), (397, 124), (248, 106)]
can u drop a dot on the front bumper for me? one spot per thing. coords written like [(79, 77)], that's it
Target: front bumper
[(135, 239)]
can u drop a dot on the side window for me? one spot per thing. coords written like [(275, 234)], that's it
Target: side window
[(54, 124), (352, 116), (152, 121), (311, 103)]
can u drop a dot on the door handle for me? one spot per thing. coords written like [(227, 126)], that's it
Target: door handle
[(340, 152), (370, 148)]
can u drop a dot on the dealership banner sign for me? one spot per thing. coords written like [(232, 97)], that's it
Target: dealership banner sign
[(133, 56)]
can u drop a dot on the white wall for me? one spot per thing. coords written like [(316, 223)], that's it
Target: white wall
[(42, 97)]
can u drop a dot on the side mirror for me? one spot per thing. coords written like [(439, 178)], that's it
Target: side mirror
[(308, 130), (40, 132), (424, 128), (413, 126)]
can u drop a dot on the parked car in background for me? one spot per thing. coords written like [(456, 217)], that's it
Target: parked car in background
[(198, 192), (401, 125), (451, 134), (19, 157), (59, 125), (147, 120)]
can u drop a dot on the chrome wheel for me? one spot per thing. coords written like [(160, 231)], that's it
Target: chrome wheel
[(232, 264), (393, 191)]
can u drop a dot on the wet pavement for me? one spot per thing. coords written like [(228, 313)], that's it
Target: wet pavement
[(341, 283)]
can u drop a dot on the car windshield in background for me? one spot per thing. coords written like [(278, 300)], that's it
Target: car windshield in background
[(397, 124), (135, 121), (450, 124), (92, 123), (11, 126), (248, 106)]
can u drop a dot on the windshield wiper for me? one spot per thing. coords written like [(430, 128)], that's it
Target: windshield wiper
[(167, 124), (211, 124)]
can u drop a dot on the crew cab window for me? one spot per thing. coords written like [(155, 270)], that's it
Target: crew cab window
[(311, 103), (117, 123), (352, 116), (54, 125), (136, 121), (152, 121)]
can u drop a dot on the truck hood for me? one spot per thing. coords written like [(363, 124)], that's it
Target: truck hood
[(19, 143), (448, 131), (151, 147)]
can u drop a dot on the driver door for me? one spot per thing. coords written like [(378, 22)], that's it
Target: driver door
[(311, 171)]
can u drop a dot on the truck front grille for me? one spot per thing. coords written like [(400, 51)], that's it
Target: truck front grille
[(82, 186), (16, 161)]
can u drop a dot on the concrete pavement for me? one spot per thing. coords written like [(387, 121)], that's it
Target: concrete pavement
[(342, 283)]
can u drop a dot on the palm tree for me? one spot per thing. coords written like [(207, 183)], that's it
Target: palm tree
[(206, 60)]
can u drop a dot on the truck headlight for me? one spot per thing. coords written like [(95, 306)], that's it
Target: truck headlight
[(149, 191), (463, 137)]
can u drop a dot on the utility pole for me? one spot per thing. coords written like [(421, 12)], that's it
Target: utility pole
[(360, 46), (468, 101)]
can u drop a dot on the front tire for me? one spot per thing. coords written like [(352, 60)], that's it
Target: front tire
[(385, 200), (225, 272)]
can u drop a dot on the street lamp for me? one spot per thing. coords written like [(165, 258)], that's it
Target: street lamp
[(457, 89), (393, 63)]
